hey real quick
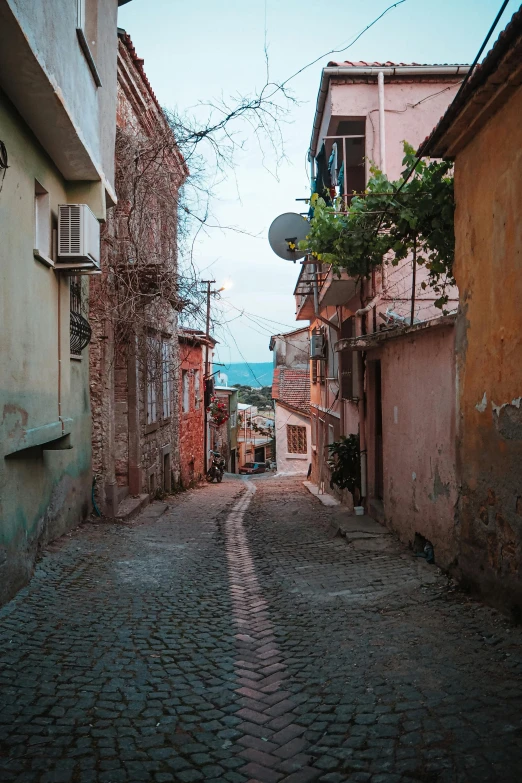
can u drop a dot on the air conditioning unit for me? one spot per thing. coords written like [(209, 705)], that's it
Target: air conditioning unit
[(317, 346), (78, 238)]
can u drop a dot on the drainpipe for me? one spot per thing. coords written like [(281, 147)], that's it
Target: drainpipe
[(382, 151), (362, 420), (382, 130), (60, 418), (340, 374)]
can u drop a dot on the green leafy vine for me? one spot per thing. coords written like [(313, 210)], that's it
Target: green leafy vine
[(389, 222)]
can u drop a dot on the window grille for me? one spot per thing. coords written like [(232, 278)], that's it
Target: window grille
[(197, 389), (80, 328), (347, 385), (165, 378), (185, 379), (296, 439), (152, 379)]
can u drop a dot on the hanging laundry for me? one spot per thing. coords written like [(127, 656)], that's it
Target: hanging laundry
[(323, 181), (340, 180), (332, 165)]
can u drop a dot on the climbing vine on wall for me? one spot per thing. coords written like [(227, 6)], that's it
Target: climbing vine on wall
[(389, 222)]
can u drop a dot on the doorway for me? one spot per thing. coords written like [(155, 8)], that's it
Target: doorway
[(233, 461), (259, 454), (167, 483)]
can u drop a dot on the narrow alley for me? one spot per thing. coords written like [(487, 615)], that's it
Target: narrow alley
[(233, 635)]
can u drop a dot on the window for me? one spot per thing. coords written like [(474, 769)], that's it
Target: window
[(165, 378), (333, 358), (197, 389), (185, 383), (42, 220), (87, 32), (347, 332), (233, 419), (321, 370), (152, 379), (296, 439), (351, 152)]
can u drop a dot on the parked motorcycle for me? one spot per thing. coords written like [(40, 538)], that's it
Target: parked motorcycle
[(217, 468)]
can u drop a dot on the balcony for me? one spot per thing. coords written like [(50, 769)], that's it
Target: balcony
[(304, 291), (337, 288)]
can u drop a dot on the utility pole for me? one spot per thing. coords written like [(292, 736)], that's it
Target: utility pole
[(208, 283)]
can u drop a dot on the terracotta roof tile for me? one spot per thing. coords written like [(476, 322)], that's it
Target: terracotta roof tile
[(139, 62), (292, 388)]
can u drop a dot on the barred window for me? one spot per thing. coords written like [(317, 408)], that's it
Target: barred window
[(153, 349), (185, 384), (197, 392), (165, 378), (296, 439)]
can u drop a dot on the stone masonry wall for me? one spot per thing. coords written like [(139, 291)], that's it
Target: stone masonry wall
[(191, 421)]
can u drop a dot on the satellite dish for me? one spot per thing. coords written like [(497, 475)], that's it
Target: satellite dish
[(287, 231)]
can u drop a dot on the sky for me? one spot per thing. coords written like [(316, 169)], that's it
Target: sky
[(200, 51)]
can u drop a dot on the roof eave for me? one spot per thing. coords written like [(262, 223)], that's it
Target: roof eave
[(364, 71), (489, 88)]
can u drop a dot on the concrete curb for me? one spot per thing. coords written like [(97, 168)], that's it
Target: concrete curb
[(326, 500)]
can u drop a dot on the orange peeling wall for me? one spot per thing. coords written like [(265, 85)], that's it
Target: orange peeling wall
[(488, 270)]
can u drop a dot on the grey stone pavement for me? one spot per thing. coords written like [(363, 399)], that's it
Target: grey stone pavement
[(236, 638)]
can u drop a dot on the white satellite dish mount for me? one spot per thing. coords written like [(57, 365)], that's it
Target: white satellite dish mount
[(285, 233)]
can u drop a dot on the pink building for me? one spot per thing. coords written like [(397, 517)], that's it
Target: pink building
[(373, 372)]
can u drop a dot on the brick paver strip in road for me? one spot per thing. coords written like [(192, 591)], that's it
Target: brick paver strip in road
[(252, 615), (154, 652)]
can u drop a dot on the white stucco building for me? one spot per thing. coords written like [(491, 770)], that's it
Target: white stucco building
[(291, 395)]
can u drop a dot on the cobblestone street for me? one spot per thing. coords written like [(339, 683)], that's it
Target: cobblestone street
[(237, 638)]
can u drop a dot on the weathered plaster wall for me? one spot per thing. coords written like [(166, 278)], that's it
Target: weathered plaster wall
[(292, 350), (50, 31), (405, 118), (42, 493), (418, 426), (296, 464), (488, 269)]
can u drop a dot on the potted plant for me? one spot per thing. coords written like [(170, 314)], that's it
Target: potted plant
[(345, 467), (218, 410)]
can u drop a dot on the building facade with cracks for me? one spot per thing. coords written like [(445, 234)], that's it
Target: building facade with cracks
[(57, 120), (481, 133)]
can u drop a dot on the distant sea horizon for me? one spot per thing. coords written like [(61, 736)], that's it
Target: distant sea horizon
[(255, 374)]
